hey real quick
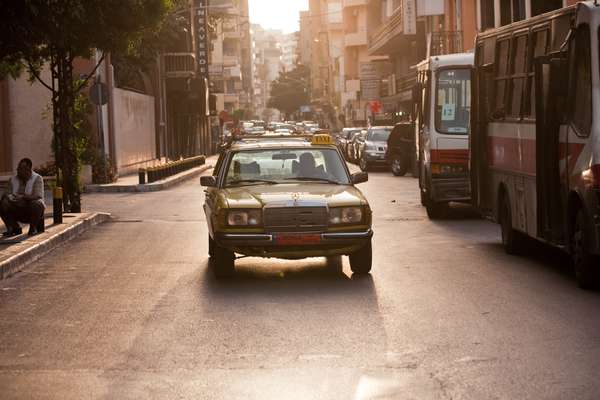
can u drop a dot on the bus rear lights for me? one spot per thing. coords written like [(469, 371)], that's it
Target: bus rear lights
[(448, 169)]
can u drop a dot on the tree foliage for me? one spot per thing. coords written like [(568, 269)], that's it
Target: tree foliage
[(53, 33), (290, 90)]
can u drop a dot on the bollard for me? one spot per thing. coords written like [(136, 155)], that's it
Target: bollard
[(57, 204), (142, 176)]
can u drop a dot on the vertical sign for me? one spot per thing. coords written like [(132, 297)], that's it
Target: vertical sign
[(202, 49), (410, 17)]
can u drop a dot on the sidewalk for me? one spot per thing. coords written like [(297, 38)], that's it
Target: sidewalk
[(130, 183), (18, 251)]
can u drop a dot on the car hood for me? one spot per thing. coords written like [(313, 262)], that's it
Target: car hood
[(293, 194)]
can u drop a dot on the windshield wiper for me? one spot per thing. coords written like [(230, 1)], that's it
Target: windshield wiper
[(306, 178), (238, 181)]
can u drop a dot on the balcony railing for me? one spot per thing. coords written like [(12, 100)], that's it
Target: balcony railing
[(446, 42), (392, 27), (180, 65), (354, 3)]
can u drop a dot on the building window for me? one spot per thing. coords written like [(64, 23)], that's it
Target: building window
[(542, 6), (487, 14)]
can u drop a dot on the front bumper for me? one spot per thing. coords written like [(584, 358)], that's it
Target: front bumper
[(450, 189), (375, 157), (265, 245)]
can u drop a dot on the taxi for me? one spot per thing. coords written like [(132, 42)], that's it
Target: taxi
[(288, 197)]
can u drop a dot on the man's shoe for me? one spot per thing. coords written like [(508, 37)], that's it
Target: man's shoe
[(12, 232)]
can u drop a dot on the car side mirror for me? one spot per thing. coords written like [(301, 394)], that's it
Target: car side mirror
[(359, 177), (208, 181)]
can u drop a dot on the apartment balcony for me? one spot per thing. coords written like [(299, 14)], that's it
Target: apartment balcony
[(354, 3), (231, 60), (180, 65), (388, 36), (232, 35), (446, 42), (358, 38)]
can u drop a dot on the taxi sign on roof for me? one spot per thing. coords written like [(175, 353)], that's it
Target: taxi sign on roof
[(321, 138)]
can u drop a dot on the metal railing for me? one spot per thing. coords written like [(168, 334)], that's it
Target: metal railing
[(180, 65), (383, 34)]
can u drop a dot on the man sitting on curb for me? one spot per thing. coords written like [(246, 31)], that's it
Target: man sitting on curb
[(24, 201)]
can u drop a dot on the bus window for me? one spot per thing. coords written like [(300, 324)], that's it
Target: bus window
[(580, 93), (538, 48), (453, 101), (501, 77), (518, 59)]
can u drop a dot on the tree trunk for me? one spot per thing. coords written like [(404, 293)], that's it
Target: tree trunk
[(63, 104)]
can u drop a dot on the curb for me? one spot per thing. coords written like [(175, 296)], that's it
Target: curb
[(149, 187), (19, 261)]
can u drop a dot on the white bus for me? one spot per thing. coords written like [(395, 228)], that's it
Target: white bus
[(442, 98), (535, 141)]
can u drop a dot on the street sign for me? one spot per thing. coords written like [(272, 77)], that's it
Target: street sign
[(99, 94)]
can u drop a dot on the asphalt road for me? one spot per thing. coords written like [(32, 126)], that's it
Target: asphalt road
[(131, 310)]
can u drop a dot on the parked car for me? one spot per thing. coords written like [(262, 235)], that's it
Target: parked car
[(344, 137), (372, 149), (401, 148)]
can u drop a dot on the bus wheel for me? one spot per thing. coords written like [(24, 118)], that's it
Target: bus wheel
[(583, 261), (362, 259), (399, 167), (510, 237), (223, 262)]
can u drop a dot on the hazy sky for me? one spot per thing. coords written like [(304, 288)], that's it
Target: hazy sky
[(277, 14)]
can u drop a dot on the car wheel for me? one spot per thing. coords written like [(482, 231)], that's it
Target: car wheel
[(436, 210), (211, 247), (361, 260), (363, 164), (511, 239), (398, 166), (223, 262), (583, 262)]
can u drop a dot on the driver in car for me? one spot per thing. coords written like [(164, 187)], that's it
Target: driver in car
[(308, 167)]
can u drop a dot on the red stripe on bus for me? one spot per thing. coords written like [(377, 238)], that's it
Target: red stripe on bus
[(512, 154)]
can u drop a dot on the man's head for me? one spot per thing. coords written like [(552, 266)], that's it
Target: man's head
[(24, 169), (307, 163)]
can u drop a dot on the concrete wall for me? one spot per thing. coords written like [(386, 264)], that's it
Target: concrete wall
[(135, 139), (30, 128)]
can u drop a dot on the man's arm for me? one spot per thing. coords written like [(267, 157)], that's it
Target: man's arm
[(37, 191)]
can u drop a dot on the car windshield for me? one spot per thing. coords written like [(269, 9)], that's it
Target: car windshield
[(250, 167), (379, 135), (453, 103)]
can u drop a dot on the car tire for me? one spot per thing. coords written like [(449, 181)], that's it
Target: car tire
[(584, 263), (511, 239), (223, 262), (211, 247), (436, 210), (362, 259), (399, 167), (363, 164)]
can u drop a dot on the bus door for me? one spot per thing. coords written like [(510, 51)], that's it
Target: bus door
[(550, 91)]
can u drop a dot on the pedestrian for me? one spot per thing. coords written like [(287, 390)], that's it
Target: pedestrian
[(23, 201)]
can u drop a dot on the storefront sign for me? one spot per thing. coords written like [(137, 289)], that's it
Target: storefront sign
[(410, 17), (202, 49), (430, 7)]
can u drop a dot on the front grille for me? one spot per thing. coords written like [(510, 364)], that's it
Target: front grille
[(290, 219)]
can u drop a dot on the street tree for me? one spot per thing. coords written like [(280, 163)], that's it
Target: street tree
[(35, 34), (290, 90)]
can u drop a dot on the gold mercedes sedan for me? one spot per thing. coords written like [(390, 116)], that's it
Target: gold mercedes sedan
[(286, 197)]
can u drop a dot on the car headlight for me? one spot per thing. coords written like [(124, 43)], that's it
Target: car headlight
[(244, 217), (345, 215)]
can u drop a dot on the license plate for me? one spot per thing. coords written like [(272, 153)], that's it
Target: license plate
[(297, 239)]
